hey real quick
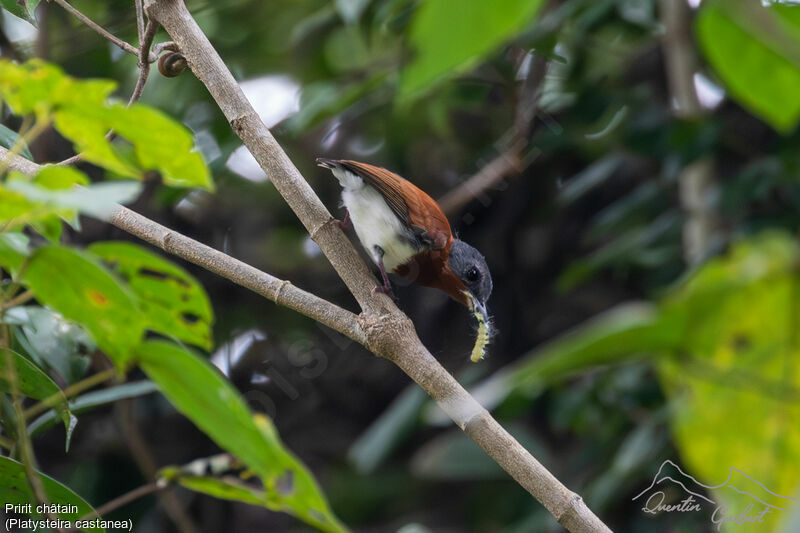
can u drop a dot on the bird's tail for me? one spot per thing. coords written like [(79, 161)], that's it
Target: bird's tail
[(328, 163)]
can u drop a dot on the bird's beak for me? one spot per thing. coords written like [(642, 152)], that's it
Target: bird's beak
[(478, 309)]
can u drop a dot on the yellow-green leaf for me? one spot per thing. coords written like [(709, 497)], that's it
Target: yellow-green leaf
[(174, 302), (80, 289)]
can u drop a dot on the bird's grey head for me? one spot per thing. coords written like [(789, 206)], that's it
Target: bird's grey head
[(470, 266)]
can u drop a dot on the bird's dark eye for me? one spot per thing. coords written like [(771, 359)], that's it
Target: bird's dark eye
[(472, 274)]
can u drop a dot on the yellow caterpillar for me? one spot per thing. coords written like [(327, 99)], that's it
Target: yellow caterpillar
[(482, 340)]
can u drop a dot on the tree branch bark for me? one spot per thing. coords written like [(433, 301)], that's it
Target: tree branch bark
[(381, 327)]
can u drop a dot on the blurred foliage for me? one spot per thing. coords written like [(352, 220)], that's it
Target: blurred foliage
[(113, 295), (14, 489), (612, 356)]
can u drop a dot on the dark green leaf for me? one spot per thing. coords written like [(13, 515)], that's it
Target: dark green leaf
[(201, 393), (32, 382), (58, 342), (24, 9), (14, 489), (627, 331), (174, 302), (9, 139), (94, 399), (378, 441), (13, 251)]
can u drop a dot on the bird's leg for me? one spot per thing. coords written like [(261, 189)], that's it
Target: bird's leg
[(386, 288), (345, 224)]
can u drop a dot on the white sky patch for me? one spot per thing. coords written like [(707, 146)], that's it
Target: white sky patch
[(709, 93), (227, 355), (274, 98), (311, 248), (242, 162), (694, 4), (18, 30)]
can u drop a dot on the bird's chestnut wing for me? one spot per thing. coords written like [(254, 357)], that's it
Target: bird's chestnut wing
[(418, 211)]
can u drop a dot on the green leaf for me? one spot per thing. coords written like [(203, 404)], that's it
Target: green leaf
[(9, 138), (14, 489), (624, 332), (175, 304), (52, 340), (24, 9), (57, 177), (32, 382), (387, 432), (159, 142), (201, 393), (98, 200), (737, 378), (454, 456), (13, 251), (224, 488), (74, 285), (94, 399), (754, 49), (40, 88), (449, 38), (16, 211), (82, 112)]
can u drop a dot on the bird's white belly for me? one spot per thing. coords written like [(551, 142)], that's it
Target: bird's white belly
[(377, 225)]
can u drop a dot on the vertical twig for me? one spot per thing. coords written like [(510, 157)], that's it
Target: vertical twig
[(697, 188)]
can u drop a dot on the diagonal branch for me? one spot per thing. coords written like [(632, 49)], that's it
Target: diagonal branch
[(98, 28), (381, 327), (389, 333), (391, 336), (279, 291)]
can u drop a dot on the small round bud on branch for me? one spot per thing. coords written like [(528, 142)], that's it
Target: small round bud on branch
[(172, 64)]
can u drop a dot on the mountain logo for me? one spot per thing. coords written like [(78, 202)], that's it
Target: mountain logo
[(660, 497)]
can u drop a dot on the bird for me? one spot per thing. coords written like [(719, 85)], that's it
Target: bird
[(405, 232)]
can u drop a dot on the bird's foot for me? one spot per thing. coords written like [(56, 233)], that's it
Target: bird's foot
[(345, 224), (387, 290)]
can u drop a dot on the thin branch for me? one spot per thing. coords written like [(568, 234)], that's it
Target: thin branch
[(73, 390), (511, 161), (504, 165), (389, 333), (139, 7), (23, 441), (144, 65), (19, 299), (381, 327), (97, 28), (145, 460), (145, 42), (696, 183), (125, 499)]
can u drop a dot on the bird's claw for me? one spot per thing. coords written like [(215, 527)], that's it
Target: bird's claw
[(345, 224), (383, 289)]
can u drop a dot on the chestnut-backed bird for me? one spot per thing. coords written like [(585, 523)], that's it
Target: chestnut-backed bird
[(405, 231)]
